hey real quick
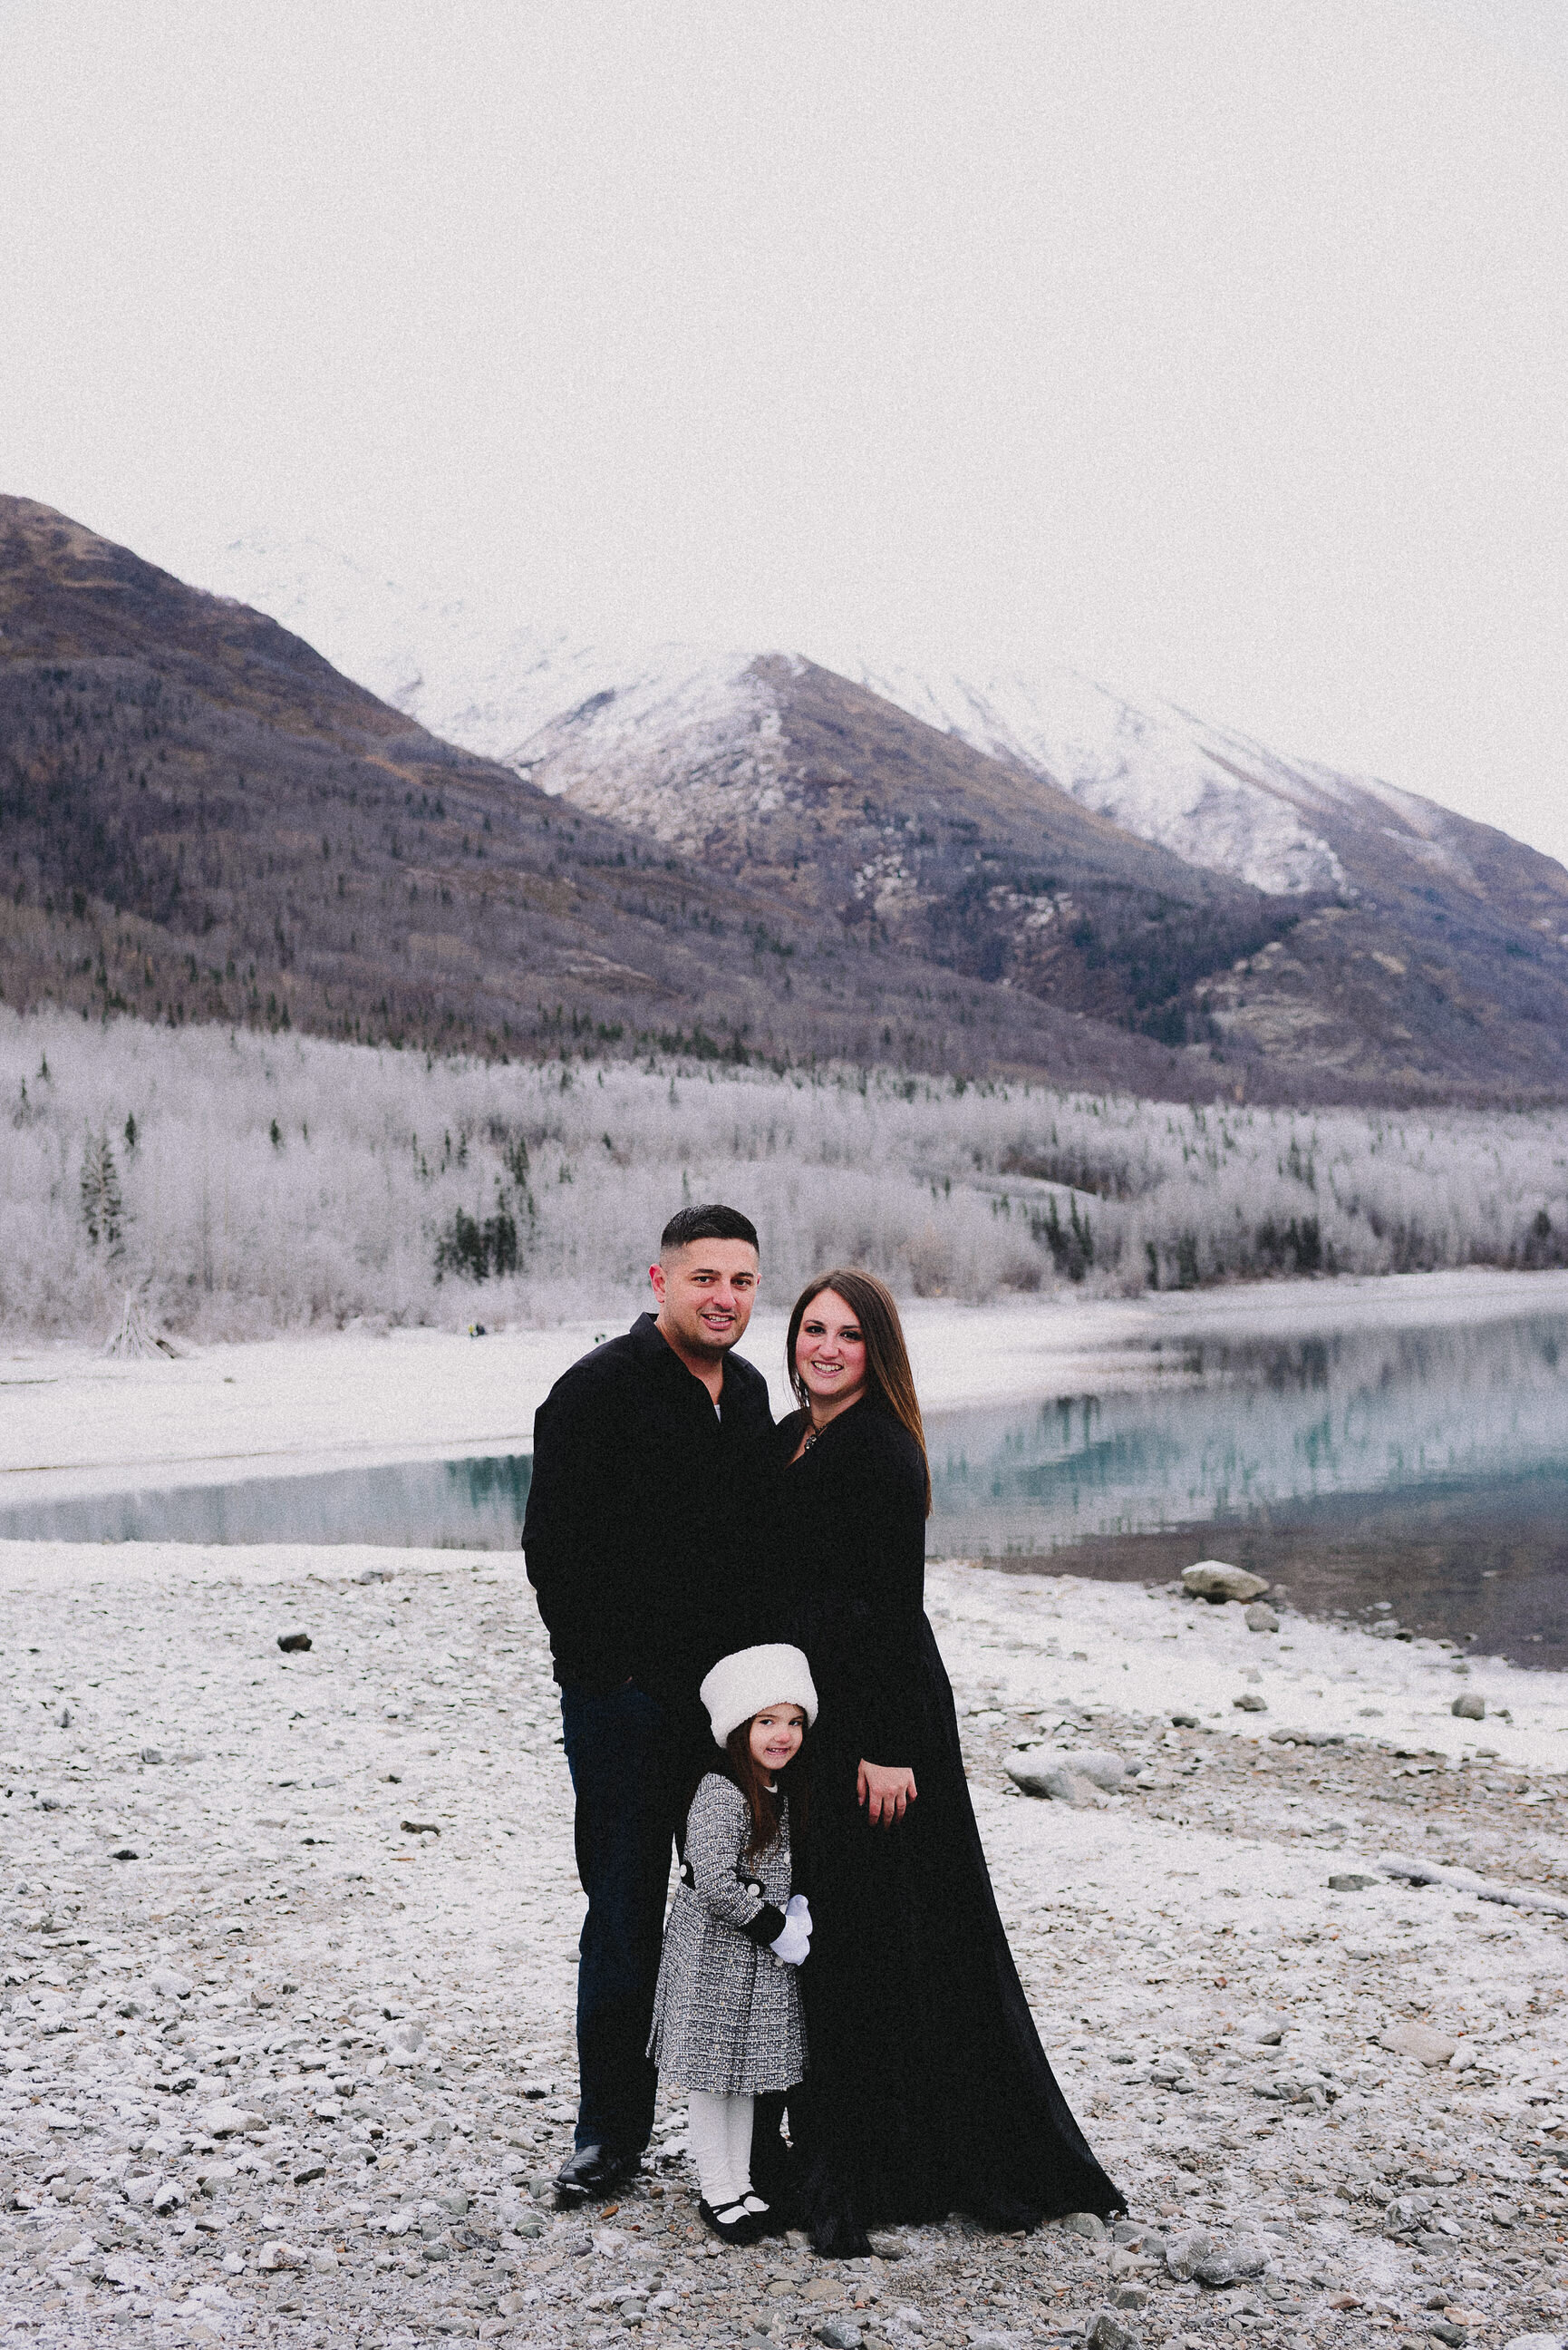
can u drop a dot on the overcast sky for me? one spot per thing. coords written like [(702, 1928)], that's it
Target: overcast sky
[(1214, 346)]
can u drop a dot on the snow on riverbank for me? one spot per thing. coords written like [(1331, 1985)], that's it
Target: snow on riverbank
[(71, 1421), (334, 1890)]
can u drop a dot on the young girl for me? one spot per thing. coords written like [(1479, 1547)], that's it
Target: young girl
[(726, 2015)]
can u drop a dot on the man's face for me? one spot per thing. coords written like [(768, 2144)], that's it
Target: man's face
[(705, 1293)]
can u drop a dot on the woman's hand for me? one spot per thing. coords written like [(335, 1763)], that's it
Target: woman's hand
[(886, 1794)]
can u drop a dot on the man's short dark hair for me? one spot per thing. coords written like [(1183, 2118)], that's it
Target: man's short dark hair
[(713, 1222)]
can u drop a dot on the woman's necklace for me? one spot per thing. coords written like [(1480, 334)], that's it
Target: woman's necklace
[(812, 1433)]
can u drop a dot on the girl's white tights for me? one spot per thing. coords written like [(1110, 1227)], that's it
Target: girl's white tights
[(721, 2136)]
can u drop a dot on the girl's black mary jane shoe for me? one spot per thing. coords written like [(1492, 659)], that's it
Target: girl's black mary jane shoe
[(736, 2226)]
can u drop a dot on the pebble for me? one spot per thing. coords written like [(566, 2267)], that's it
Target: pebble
[(1469, 1705), (1260, 1617), (1108, 2332)]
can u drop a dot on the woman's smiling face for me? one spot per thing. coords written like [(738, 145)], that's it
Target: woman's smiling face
[(830, 1352)]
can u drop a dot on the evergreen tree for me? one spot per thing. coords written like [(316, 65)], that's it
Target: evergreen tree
[(103, 1211)]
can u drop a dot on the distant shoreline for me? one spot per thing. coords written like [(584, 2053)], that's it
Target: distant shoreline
[(78, 1423)]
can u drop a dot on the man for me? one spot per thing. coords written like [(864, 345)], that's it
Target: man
[(648, 1456)]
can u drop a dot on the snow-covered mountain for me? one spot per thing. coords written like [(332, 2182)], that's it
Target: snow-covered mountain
[(655, 734), (857, 858), (466, 670), (1215, 798), (503, 688)]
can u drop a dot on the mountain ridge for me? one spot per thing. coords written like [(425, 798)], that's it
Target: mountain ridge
[(754, 850), (204, 820), (1425, 950)]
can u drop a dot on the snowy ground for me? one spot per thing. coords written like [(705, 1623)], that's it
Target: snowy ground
[(288, 1938), (349, 1922), (73, 1422)]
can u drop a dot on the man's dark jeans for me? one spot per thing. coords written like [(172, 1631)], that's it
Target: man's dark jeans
[(633, 1770)]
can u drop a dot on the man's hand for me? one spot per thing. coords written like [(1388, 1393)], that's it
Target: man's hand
[(886, 1793)]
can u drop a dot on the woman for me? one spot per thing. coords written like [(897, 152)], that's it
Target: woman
[(927, 2088)]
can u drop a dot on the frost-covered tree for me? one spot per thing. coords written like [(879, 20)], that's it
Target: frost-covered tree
[(550, 1181), (103, 1210)]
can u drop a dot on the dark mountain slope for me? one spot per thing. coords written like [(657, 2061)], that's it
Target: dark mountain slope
[(1433, 965), (822, 792), (200, 819)]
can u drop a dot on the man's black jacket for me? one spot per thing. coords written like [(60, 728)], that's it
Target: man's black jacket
[(642, 1528)]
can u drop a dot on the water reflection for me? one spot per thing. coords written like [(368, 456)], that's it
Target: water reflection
[(1428, 1467), (1231, 1432), (472, 1504)]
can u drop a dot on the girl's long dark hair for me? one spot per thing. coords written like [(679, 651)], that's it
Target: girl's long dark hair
[(763, 1801), (888, 1379)]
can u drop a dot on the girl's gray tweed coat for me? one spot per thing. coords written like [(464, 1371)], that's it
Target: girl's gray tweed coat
[(726, 2015)]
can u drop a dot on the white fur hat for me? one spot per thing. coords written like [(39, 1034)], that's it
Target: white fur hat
[(752, 1679)]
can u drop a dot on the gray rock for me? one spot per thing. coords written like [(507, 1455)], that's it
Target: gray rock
[(1230, 2263), (151, 1754), (1184, 1721), (839, 2334), (1469, 1705), (167, 1984), (1351, 1880), (1184, 2250), (1537, 2342), (1065, 1775), (294, 1643), (1419, 2039), (1212, 1579), (1050, 1779), (1260, 1617), (1251, 1702), (1129, 2295), (1265, 2031), (1083, 2223), (887, 2247), (1106, 2332)]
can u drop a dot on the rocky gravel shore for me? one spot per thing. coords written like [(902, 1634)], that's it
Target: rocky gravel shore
[(288, 1937)]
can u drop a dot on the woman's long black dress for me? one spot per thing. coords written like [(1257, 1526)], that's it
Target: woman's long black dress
[(928, 2090)]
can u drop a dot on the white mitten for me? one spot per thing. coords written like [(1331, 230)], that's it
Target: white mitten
[(795, 1940)]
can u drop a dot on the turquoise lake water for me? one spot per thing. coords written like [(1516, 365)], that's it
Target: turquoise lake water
[(1424, 1469)]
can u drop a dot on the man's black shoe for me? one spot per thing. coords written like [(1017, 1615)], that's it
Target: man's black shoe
[(593, 2172)]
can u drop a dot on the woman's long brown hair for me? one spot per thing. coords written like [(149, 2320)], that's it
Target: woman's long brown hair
[(888, 1379)]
